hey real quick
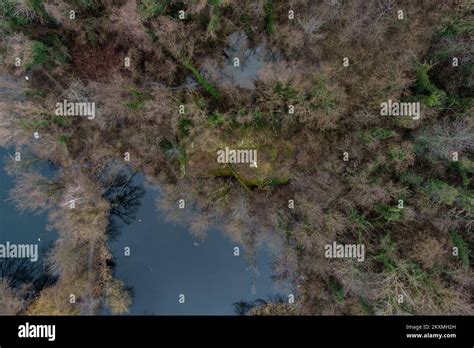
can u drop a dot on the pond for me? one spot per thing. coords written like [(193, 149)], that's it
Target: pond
[(242, 64), (166, 261)]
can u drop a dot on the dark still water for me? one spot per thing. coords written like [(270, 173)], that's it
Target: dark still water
[(166, 261)]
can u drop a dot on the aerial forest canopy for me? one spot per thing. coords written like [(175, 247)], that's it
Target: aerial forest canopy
[(308, 125)]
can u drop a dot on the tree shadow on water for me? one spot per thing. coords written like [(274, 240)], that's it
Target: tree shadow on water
[(124, 198), (18, 272)]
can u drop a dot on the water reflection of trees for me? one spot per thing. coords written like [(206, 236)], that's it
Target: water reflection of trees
[(124, 198), (20, 272)]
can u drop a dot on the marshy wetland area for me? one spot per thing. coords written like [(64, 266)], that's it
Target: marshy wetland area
[(225, 157)]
